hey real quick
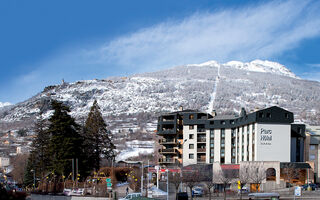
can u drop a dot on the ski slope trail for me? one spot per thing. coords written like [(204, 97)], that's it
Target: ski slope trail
[(213, 94)]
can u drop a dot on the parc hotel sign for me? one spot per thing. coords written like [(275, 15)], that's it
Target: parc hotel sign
[(265, 136)]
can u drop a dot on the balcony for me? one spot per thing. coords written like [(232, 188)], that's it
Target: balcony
[(201, 160), (167, 160), (167, 151), (201, 130), (167, 141), (201, 150), (201, 139), (167, 131)]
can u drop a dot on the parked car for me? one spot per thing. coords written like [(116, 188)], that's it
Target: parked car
[(244, 190), (131, 196), (311, 185), (198, 191)]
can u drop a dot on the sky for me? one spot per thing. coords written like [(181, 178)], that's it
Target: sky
[(43, 42)]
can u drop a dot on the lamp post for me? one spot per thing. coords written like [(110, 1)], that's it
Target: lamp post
[(34, 178)]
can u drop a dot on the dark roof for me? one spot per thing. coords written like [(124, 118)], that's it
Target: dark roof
[(297, 165), (221, 117)]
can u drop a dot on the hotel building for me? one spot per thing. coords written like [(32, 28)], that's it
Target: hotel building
[(192, 137)]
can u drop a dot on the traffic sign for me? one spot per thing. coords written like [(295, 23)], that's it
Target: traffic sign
[(108, 180), (109, 184), (297, 191)]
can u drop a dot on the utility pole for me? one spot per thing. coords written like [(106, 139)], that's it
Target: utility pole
[(157, 168), (141, 178), (167, 183), (147, 180), (77, 172), (72, 172)]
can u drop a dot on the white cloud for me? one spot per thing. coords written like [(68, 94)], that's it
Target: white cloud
[(258, 31), (262, 31)]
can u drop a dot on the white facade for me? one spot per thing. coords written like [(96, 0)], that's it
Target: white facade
[(4, 162), (273, 142), (253, 142)]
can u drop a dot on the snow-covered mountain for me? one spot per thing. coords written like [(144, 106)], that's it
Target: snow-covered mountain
[(255, 66), (141, 98), (4, 104)]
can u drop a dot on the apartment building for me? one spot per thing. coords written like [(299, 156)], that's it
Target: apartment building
[(192, 137), (312, 149)]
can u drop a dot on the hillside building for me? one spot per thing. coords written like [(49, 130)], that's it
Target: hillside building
[(193, 137)]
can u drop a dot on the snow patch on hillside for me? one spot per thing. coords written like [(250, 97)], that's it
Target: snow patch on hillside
[(5, 104)]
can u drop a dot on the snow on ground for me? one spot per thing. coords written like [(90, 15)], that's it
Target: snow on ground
[(133, 152), (213, 94), (134, 148)]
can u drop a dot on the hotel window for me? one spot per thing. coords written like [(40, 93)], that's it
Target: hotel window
[(211, 122), (222, 133), (268, 115), (191, 127), (191, 146), (223, 122), (191, 136), (212, 133), (191, 156), (312, 147), (211, 160), (261, 115), (231, 121), (211, 145), (312, 157), (286, 115), (191, 116)]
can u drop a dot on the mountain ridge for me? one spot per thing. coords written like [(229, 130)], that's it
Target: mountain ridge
[(142, 97)]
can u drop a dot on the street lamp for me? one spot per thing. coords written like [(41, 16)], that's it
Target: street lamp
[(34, 178)]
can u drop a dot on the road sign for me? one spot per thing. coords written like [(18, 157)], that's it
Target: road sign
[(297, 191), (108, 180), (109, 184)]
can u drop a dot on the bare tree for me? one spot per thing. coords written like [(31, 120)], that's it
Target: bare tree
[(290, 172), (19, 164), (257, 173), (191, 179), (176, 179), (224, 177), (244, 176)]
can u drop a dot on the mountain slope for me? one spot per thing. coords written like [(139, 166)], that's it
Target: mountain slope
[(142, 97)]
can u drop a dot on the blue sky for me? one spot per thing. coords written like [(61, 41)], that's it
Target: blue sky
[(42, 42)]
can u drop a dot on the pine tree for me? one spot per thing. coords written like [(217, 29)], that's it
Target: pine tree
[(97, 141), (66, 143), (39, 158)]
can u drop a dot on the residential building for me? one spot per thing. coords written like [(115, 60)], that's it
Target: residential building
[(312, 149)]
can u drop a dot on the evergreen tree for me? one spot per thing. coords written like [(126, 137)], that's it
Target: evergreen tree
[(66, 143), (97, 141), (39, 158)]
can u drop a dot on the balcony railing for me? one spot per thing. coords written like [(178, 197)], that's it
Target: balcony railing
[(201, 150), (201, 139), (167, 160), (201, 130), (166, 141), (201, 160), (167, 131), (167, 151)]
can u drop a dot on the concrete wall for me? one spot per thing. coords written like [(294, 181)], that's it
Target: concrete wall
[(50, 197)]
